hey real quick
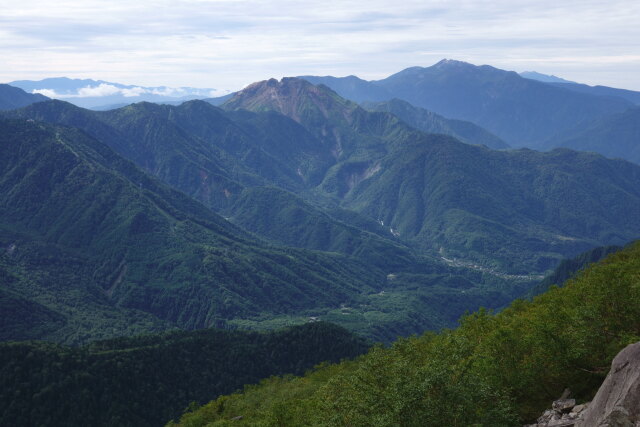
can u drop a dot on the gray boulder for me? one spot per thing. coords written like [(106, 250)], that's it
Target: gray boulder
[(563, 405), (617, 403), (564, 413)]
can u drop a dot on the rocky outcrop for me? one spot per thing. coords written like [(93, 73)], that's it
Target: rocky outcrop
[(563, 413), (617, 403)]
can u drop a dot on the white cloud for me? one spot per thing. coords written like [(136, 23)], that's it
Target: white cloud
[(106, 89), (49, 93), (229, 43), (134, 91), (167, 91), (102, 89)]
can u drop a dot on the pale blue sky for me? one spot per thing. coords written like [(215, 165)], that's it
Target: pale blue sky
[(227, 44)]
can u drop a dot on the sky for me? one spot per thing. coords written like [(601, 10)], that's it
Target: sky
[(227, 44)]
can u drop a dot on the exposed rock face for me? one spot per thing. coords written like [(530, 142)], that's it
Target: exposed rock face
[(617, 403)]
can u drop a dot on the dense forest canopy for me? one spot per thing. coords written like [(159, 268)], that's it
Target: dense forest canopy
[(494, 369), (147, 380)]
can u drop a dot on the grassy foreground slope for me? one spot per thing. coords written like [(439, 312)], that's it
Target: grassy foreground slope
[(497, 370)]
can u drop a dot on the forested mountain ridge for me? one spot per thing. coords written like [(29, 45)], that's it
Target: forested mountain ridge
[(570, 268), (147, 380), (96, 248), (458, 225), (12, 97), (355, 138), (429, 122), (281, 216), (526, 209), (215, 156), (473, 201), (332, 153), (344, 128), (142, 136), (498, 370), (614, 136), (127, 242)]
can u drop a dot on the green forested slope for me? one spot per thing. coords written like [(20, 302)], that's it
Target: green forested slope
[(615, 136), (458, 226), (215, 156), (354, 137), (498, 370), (569, 268), (126, 241), (143, 134), (95, 248), (146, 380), (283, 217), (429, 122), (517, 211), (12, 97)]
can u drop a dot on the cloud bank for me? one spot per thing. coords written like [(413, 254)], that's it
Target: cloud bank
[(107, 89), (230, 43)]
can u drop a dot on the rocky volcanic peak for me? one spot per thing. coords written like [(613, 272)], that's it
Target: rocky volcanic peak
[(293, 97), (342, 127)]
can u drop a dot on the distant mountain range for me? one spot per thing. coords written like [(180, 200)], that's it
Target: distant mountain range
[(323, 209), (100, 94), (629, 95), (330, 152), (521, 111), (286, 203), (546, 78), (387, 172)]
